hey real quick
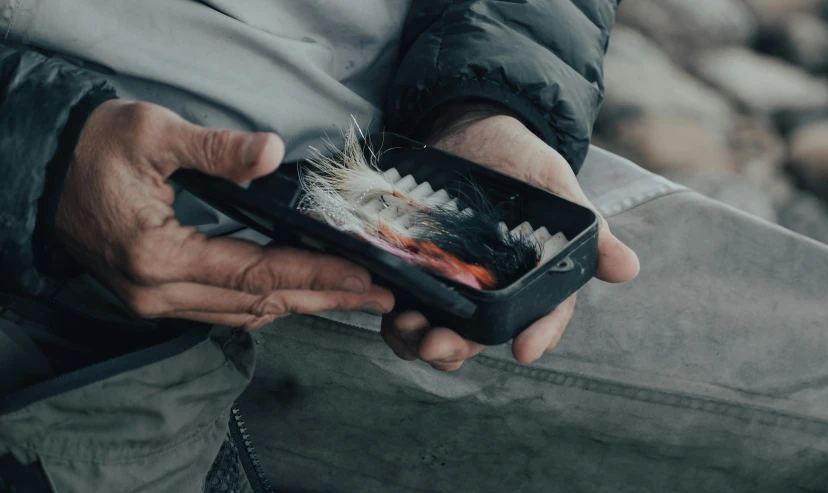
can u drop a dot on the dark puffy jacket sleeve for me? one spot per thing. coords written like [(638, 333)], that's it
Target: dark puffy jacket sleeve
[(43, 103), (541, 58)]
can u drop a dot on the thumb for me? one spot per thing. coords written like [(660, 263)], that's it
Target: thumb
[(616, 261), (229, 154)]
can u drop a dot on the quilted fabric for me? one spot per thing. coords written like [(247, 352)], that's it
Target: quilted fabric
[(542, 59)]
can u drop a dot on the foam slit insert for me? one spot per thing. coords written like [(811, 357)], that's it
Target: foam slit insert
[(551, 244)]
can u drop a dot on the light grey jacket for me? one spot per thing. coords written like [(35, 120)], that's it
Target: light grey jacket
[(705, 374)]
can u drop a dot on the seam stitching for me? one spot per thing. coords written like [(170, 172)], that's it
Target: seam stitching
[(598, 385), (644, 201), (744, 412), (439, 49), (187, 439), (11, 21)]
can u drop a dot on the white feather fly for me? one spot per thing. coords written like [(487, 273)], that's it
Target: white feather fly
[(348, 190)]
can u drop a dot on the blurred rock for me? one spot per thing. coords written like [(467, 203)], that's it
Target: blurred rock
[(807, 215), (731, 189), (809, 156), (782, 190), (665, 143), (761, 83), (770, 12), (729, 126), (789, 120), (679, 25), (640, 78), (800, 38), (759, 153)]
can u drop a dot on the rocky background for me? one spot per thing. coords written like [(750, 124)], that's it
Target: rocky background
[(729, 97)]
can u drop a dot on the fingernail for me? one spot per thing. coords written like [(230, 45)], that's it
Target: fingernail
[(353, 284), (373, 308), (447, 367)]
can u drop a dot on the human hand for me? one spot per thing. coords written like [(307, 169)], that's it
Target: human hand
[(115, 218), (484, 134)]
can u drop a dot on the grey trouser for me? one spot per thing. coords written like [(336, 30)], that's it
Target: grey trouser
[(705, 374)]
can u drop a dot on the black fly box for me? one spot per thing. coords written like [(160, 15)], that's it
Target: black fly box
[(560, 236)]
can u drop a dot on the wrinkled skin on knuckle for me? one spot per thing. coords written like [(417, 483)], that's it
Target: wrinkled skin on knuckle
[(269, 306), (297, 269), (151, 215), (303, 269), (215, 145), (258, 278), (310, 275)]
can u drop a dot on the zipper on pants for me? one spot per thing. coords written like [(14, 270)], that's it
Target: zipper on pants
[(247, 454)]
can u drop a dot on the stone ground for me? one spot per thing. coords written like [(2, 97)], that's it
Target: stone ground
[(729, 97)]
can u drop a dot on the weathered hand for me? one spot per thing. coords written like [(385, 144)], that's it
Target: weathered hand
[(115, 217), (505, 144)]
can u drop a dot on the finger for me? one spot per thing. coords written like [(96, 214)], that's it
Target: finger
[(171, 253), (544, 334), (447, 348), (233, 155), (165, 300), (292, 302), (277, 305), (376, 300), (404, 332), (400, 348), (245, 266), (168, 299)]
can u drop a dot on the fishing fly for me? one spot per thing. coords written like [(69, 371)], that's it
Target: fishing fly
[(462, 237)]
